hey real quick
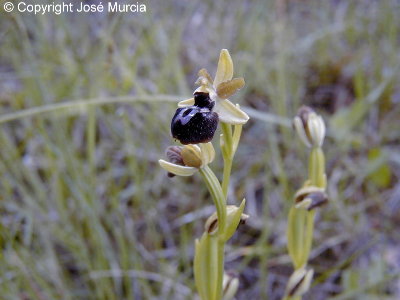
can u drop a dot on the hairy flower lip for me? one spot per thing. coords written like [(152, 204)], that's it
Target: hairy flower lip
[(197, 123)]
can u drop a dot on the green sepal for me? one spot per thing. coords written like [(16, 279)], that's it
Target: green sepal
[(232, 221)]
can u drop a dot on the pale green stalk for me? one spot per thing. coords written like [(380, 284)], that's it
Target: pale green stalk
[(317, 178), (215, 190), (317, 167), (214, 246), (301, 221), (226, 147)]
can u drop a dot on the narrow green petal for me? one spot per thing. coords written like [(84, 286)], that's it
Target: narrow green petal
[(228, 88), (177, 169), (233, 219)]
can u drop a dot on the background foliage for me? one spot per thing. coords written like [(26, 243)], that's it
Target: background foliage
[(86, 101)]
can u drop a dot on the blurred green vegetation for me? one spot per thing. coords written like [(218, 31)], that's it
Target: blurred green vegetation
[(86, 101)]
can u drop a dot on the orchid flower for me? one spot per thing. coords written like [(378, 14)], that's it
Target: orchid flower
[(220, 89)]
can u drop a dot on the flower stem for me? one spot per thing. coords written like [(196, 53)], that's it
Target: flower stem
[(316, 170), (229, 145), (227, 136), (220, 203), (227, 175), (221, 259), (301, 222), (227, 148), (219, 193), (216, 193)]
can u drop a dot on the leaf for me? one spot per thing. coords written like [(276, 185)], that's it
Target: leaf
[(380, 173)]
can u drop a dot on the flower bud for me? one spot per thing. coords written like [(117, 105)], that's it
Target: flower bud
[(299, 282), (310, 197), (234, 217), (230, 285), (310, 127), (191, 156), (186, 160)]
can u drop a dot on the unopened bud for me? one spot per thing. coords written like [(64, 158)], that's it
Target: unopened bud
[(234, 217), (310, 197), (310, 127), (230, 285), (211, 225), (299, 283), (191, 156)]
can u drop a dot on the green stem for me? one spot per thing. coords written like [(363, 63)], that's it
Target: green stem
[(215, 265), (309, 232), (301, 223), (227, 149), (227, 136), (216, 193), (316, 173), (221, 259), (227, 176), (219, 200), (229, 145), (316, 170), (219, 194)]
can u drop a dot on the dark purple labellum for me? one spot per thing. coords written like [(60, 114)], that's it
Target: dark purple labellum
[(195, 124)]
